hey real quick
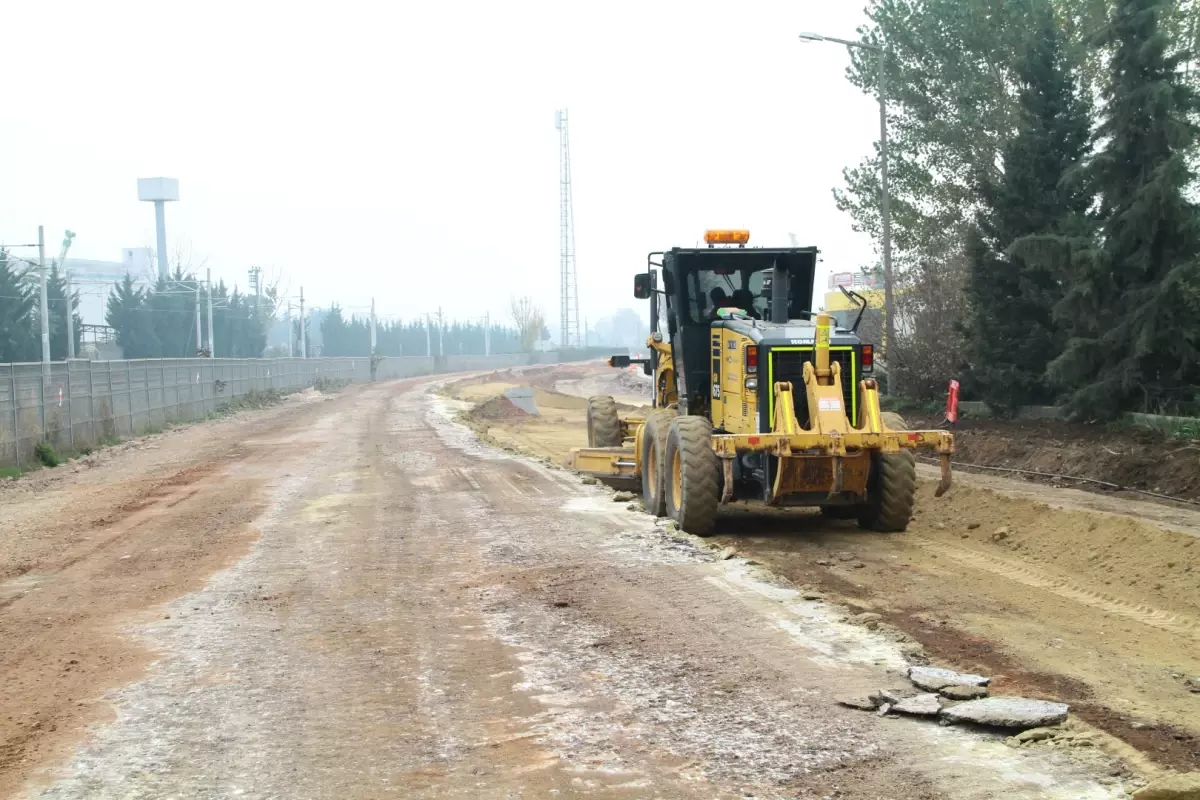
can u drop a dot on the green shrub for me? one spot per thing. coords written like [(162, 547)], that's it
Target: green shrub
[(46, 454)]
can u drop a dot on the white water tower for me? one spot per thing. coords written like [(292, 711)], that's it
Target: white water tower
[(160, 191)]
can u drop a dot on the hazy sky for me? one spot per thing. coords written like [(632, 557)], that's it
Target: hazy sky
[(407, 151)]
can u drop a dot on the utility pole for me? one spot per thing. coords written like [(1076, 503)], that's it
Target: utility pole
[(885, 215), (441, 325), (212, 347), (199, 335), (487, 334), (428, 340), (62, 265), (303, 331), (44, 301), (290, 336), (372, 326)]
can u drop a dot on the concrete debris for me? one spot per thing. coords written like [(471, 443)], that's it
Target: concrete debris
[(925, 705), (891, 696), (1192, 684), (914, 653), (1000, 534), (1007, 712), (963, 692), (808, 594), (623, 497), (726, 554), (1184, 786), (635, 506), (884, 709), (867, 619), (588, 480), (844, 556), (863, 703), (933, 679), (1036, 735), (824, 562)]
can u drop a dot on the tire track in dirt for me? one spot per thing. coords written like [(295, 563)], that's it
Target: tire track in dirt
[(99, 548), (1027, 575)]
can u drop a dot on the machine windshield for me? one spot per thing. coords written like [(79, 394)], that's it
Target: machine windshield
[(749, 289)]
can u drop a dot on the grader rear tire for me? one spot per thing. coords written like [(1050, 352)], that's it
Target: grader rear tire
[(693, 475), (654, 447), (891, 493), (603, 424)]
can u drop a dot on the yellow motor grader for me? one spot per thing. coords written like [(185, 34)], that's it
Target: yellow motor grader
[(756, 397)]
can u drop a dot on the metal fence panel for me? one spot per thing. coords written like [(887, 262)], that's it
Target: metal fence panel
[(84, 404)]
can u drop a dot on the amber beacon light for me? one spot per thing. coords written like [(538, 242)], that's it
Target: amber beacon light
[(726, 237)]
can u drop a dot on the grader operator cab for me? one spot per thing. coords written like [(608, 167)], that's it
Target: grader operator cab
[(756, 397)]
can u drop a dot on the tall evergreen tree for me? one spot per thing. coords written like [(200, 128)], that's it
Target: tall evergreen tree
[(58, 303), (1015, 285), (17, 325), (130, 315), (1132, 308)]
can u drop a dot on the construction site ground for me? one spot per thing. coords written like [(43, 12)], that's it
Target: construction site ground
[(388, 592)]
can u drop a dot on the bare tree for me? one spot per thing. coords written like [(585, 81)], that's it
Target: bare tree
[(530, 322), (930, 345)]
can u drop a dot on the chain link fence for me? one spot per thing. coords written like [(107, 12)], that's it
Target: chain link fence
[(83, 404)]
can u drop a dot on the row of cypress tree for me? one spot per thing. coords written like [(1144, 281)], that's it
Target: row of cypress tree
[(1052, 143)]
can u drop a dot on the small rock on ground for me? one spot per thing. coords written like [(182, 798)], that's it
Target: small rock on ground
[(963, 692), (1036, 735), (867, 619), (1185, 786), (932, 679), (926, 705), (726, 554), (588, 480), (1007, 712), (623, 497)]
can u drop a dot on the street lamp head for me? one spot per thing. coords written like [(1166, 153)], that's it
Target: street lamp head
[(811, 37)]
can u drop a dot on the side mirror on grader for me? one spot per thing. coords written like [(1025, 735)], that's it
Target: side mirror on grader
[(642, 286)]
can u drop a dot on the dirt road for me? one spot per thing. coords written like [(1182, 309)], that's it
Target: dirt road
[(353, 597), (1059, 593)]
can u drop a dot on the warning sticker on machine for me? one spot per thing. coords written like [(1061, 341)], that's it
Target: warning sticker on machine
[(829, 404)]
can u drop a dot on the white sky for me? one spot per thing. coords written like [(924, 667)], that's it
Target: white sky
[(407, 150)]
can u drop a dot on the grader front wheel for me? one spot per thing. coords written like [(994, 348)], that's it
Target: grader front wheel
[(891, 493), (654, 446), (603, 424), (693, 475)]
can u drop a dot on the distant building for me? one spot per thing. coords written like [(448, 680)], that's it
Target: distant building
[(94, 280), (843, 308)]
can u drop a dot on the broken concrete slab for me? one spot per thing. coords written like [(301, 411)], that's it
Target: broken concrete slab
[(861, 702), (1184, 786), (891, 696), (933, 679), (923, 705), (963, 692), (1007, 712)]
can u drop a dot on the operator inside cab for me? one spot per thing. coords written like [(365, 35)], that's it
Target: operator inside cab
[(719, 300)]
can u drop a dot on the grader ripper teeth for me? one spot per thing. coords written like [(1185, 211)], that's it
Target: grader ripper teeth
[(814, 435)]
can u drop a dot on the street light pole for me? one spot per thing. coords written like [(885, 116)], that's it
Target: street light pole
[(885, 200)]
